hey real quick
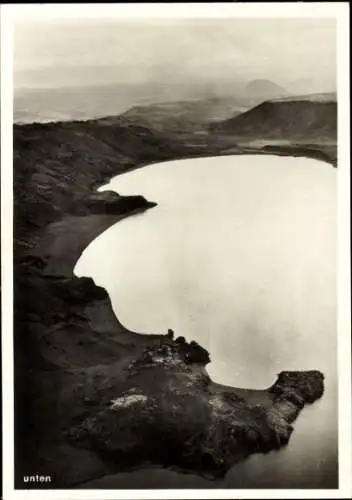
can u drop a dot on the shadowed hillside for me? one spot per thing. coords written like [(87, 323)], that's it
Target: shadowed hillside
[(297, 118), (57, 164)]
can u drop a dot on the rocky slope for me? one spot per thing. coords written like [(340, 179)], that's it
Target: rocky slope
[(294, 118), (89, 394)]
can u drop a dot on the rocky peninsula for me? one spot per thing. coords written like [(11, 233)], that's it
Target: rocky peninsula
[(91, 397)]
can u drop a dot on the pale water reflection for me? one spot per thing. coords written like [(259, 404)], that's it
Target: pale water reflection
[(239, 255)]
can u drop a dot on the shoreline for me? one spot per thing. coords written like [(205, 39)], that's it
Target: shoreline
[(67, 338)]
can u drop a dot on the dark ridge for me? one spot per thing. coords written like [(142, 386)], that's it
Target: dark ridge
[(285, 119)]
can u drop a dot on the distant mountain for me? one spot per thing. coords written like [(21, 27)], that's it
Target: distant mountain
[(96, 101), (263, 88), (43, 104), (292, 118), (44, 100)]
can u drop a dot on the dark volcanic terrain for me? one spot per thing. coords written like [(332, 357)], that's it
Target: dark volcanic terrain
[(92, 398)]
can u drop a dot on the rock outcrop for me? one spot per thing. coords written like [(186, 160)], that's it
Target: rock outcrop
[(168, 412)]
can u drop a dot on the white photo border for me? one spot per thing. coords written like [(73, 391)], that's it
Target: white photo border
[(143, 11)]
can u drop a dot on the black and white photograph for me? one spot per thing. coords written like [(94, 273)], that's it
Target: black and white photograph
[(175, 242)]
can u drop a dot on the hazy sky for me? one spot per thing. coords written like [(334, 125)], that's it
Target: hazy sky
[(236, 50)]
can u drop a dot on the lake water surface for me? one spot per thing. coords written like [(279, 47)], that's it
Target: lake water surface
[(239, 255)]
